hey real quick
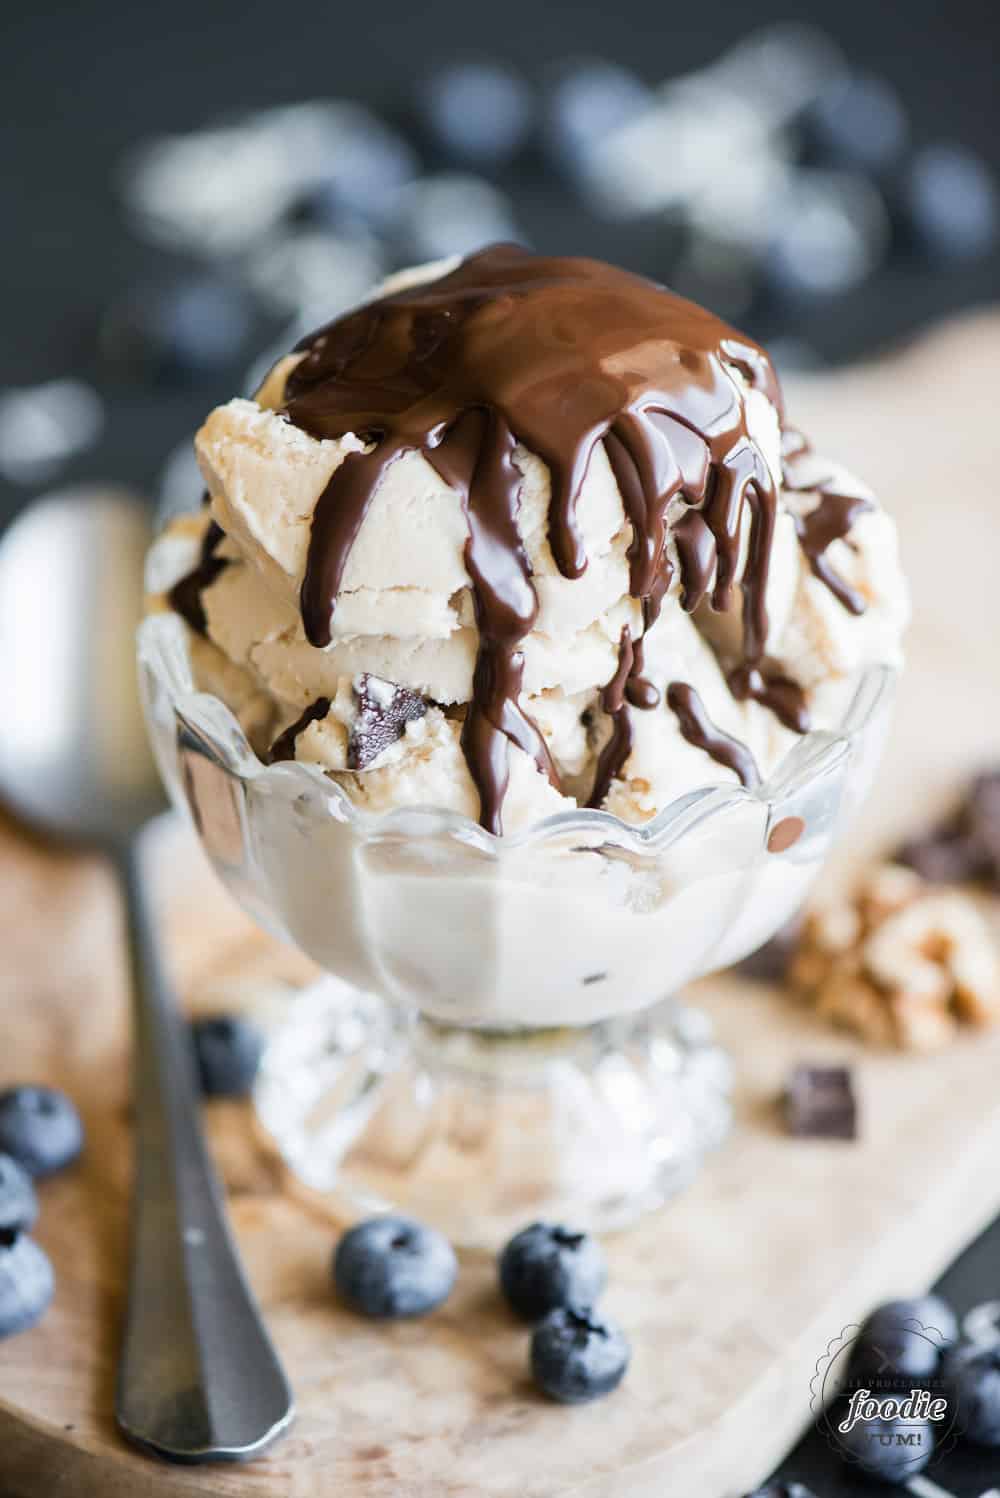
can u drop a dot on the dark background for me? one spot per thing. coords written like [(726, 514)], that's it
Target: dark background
[(82, 81)]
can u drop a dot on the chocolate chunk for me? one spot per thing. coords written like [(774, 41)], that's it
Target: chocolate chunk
[(966, 846), (943, 857), (983, 818), (770, 963), (820, 1103), (384, 709), (984, 796)]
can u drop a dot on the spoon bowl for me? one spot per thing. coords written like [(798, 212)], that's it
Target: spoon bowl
[(74, 757)]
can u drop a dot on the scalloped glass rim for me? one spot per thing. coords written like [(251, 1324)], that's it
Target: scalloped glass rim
[(162, 651)]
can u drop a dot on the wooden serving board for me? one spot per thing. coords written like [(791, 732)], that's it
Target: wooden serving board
[(730, 1294)]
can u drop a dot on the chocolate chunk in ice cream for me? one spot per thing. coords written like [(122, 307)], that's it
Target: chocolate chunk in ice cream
[(384, 709)]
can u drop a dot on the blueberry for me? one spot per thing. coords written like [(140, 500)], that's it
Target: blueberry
[(831, 231), (587, 98), (860, 122), (789, 355), (187, 326), (949, 204), (18, 1203), (544, 1267), (937, 1316), (782, 1490), (368, 164), (956, 1357), (975, 1384), (392, 1266), (477, 113), (227, 1050), (40, 1128), (892, 1450), (903, 1340), (321, 205), (26, 1282), (575, 1356), (934, 1314), (450, 213)]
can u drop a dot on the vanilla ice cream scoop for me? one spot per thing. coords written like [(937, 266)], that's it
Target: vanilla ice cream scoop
[(525, 533)]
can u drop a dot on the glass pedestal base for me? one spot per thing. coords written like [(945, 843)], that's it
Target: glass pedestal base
[(480, 1132)]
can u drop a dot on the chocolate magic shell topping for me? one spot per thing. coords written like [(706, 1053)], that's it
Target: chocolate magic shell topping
[(557, 354)]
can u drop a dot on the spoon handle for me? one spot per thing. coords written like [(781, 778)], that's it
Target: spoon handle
[(199, 1379)]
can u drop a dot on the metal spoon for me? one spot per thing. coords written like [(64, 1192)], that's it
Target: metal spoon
[(199, 1379)]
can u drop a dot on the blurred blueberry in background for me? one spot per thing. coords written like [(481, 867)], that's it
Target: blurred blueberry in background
[(321, 206), (42, 427), (719, 275), (794, 356), (771, 183), (584, 99), (758, 182), (181, 327), (949, 203), (831, 231), (691, 137), (858, 122), (783, 69), (312, 275), (479, 113), (215, 191), (449, 213), (341, 149)]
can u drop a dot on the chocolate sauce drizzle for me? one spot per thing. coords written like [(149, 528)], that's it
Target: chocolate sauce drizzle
[(698, 729), (613, 700), (283, 747), (185, 596), (558, 354), (831, 520)]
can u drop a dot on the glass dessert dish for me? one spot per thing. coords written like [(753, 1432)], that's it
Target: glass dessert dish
[(500, 1036)]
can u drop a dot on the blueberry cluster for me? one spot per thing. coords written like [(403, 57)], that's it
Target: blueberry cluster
[(777, 174), (906, 1347), (40, 1133), (391, 1266)]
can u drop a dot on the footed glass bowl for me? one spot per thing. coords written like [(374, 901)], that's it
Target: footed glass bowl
[(499, 1038)]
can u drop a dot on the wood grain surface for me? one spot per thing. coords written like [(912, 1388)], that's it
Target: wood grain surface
[(731, 1294)]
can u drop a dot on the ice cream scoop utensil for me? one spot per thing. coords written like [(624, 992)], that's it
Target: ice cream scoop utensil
[(199, 1379)]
